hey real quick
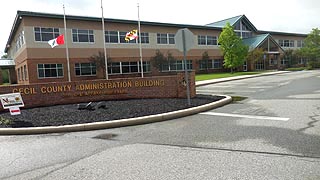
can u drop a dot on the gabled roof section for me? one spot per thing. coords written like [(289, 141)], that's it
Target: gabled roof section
[(224, 22), (233, 21), (255, 42)]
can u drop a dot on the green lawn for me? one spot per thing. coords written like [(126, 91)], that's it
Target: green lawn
[(201, 77)]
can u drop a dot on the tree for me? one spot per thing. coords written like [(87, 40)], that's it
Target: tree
[(311, 48), (158, 60), (4, 56), (232, 47), (205, 58), (100, 61), (255, 55)]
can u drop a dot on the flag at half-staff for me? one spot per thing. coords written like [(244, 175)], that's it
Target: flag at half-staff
[(131, 35)]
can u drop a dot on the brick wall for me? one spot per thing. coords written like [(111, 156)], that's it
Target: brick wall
[(47, 94)]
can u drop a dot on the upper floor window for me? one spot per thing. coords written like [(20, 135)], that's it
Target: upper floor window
[(286, 43), (119, 37), (19, 41), (122, 36), (45, 34), (300, 43), (207, 40), (144, 38), (50, 70), (111, 36), (165, 38), (82, 35), (85, 69)]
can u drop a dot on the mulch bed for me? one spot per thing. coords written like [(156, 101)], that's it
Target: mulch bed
[(120, 109)]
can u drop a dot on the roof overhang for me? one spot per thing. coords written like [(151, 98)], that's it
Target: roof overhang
[(7, 62)]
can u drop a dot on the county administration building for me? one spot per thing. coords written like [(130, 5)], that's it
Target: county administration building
[(36, 62)]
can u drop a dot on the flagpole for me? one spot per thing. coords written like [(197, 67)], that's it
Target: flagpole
[(104, 43), (140, 48), (66, 42)]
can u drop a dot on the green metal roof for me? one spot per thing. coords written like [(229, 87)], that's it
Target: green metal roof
[(224, 22), (233, 21), (254, 42)]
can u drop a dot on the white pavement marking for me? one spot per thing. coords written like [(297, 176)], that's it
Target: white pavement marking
[(246, 116), (220, 90)]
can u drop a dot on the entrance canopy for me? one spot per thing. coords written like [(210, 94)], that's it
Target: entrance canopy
[(264, 41), (7, 63)]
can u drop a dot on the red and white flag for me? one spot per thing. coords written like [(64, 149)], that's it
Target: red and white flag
[(57, 41)]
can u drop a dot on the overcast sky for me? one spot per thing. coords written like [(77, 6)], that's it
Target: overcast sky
[(298, 16)]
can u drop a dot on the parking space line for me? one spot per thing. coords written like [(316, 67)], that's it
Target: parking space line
[(246, 116)]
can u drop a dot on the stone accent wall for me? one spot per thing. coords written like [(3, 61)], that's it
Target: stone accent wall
[(48, 94)]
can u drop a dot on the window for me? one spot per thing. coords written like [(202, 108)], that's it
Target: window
[(162, 39), (50, 70), (45, 34), (85, 69), (129, 67), (217, 64), (176, 65), (82, 35), (171, 38), (286, 43), (112, 36), (123, 36), (19, 41), (206, 64), (246, 34), (211, 40), (144, 38), (146, 66), (202, 40), (114, 68), (165, 38), (25, 72), (300, 43), (210, 64), (19, 74), (207, 40)]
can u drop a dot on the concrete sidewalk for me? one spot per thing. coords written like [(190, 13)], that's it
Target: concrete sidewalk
[(219, 80)]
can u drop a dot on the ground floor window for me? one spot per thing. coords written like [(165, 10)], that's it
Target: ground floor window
[(273, 62), (284, 61), (85, 69), (50, 70), (176, 65), (210, 64), (128, 67), (259, 65)]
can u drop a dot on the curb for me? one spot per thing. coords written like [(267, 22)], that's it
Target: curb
[(240, 78), (116, 123)]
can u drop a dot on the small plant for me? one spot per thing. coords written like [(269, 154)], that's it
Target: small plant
[(4, 121)]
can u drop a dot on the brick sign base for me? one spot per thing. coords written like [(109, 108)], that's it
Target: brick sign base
[(48, 94)]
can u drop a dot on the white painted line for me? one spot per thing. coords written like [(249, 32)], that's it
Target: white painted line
[(246, 116), (222, 91)]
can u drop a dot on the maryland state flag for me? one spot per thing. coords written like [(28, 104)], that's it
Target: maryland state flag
[(131, 35)]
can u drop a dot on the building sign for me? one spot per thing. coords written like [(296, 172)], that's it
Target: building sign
[(12, 102)]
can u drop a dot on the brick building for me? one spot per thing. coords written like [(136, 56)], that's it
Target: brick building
[(37, 62)]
